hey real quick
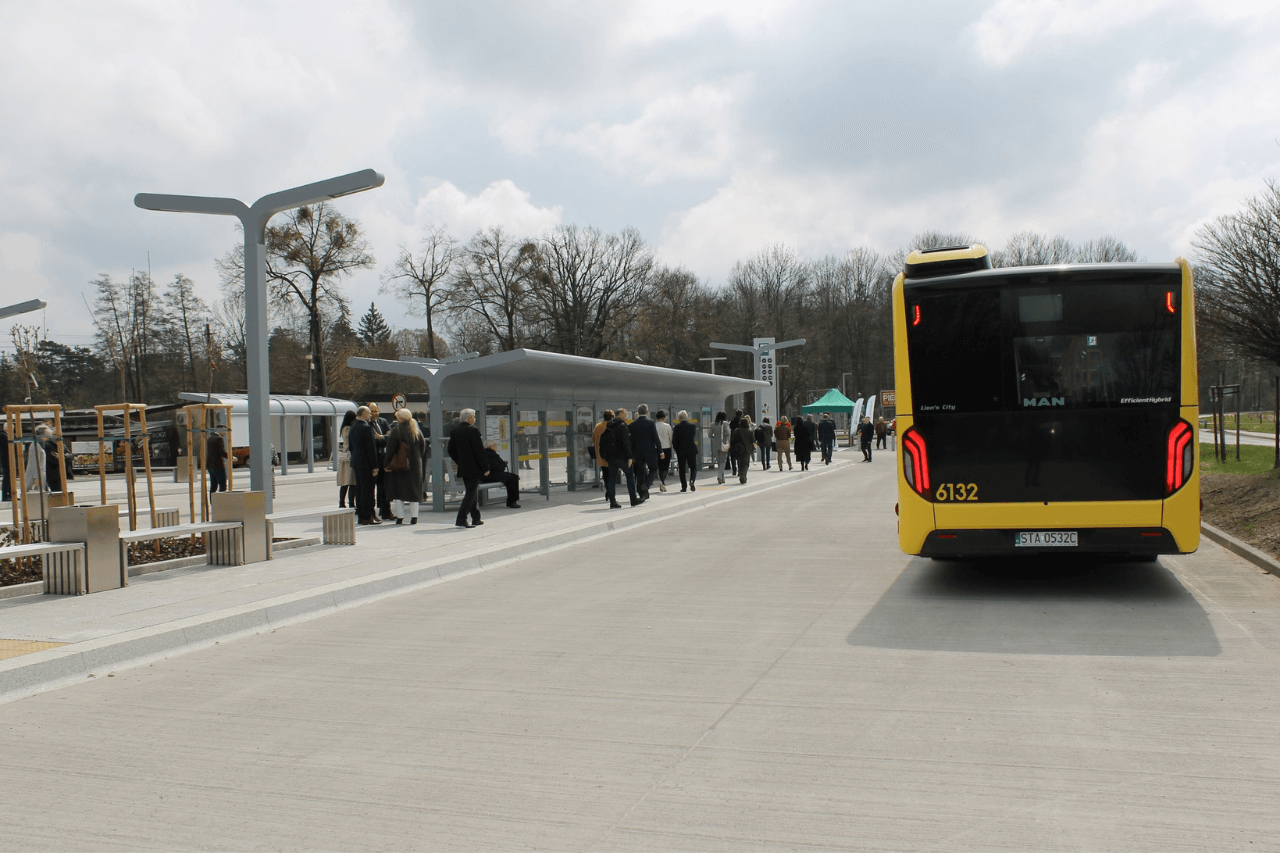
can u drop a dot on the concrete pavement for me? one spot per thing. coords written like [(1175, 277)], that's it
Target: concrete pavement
[(769, 673)]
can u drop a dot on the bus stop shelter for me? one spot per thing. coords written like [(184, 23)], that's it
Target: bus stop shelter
[(542, 406), (292, 422)]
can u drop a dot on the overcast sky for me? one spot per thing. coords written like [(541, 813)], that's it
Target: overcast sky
[(715, 127)]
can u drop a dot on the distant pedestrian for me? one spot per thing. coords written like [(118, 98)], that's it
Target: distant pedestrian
[(615, 446), (664, 448), (684, 440), (215, 462), (34, 479), (764, 439), (365, 463), (405, 466), (827, 437), (865, 433), (6, 478), (720, 437), (467, 452), (522, 448), (882, 433), (645, 447), (741, 445), (380, 430), (498, 473), (803, 444), (734, 423), (782, 438), (346, 475)]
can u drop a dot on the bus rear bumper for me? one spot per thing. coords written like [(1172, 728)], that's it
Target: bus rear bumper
[(1112, 541)]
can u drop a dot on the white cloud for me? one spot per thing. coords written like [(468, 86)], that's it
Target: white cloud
[(688, 135), (647, 21), (501, 203)]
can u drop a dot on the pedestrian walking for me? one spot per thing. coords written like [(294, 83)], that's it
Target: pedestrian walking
[(782, 438), (364, 462), (734, 423), (720, 436), (346, 475), (865, 433), (741, 446), (764, 439), (645, 447), (615, 446), (406, 453), (467, 451), (34, 479), (827, 437), (664, 448), (498, 473), (803, 444), (882, 433), (215, 462), (684, 440)]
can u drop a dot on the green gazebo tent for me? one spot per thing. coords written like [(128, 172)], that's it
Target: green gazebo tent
[(832, 401)]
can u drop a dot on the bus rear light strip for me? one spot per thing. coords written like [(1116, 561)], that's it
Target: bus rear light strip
[(916, 461), (1179, 457)]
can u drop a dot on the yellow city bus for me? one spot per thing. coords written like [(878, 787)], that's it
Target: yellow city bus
[(1047, 409)]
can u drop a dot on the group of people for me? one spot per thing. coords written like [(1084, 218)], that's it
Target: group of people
[(382, 466), (642, 449)]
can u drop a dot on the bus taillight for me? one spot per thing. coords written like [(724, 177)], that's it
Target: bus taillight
[(915, 462), (1168, 303), (1179, 457), (915, 316)]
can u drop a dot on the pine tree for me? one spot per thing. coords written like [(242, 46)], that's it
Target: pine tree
[(373, 329)]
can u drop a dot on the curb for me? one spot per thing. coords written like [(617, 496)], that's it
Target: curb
[(34, 673), (1260, 559)]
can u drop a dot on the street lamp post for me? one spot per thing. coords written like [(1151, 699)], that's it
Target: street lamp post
[(254, 219)]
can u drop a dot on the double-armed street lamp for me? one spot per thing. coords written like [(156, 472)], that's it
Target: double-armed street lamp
[(22, 308), (763, 350), (254, 218)]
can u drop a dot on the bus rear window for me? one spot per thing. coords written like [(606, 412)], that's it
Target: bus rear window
[(1100, 344)]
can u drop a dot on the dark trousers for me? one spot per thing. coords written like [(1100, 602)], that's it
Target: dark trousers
[(511, 481), (470, 500), (364, 493), (880, 441), (217, 479), (828, 450), (664, 465), (764, 454), (866, 450), (687, 462), (643, 469), (744, 465), (617, 468)]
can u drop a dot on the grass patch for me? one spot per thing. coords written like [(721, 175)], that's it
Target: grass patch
[(1254, 459), (1248, 423)]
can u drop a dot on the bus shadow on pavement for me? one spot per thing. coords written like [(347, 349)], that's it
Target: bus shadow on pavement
[(1039, 608)]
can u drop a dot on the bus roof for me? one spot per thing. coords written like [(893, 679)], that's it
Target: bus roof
[(1056, 273)]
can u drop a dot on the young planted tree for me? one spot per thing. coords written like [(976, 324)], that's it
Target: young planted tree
[(421, 281)]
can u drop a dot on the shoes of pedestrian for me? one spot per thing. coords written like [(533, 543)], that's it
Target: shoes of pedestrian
[(692, 487), (413, 520), (720, 480), (463, 525), (636, 502), (399, 521), (514, 505), (375, 521), (615, 505), (366, 521), (662, 487), (684, 490), (475, 522)]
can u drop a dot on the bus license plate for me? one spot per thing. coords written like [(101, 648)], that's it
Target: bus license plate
[(1046, 539)]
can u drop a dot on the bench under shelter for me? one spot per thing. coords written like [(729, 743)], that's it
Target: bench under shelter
[(541, 407)]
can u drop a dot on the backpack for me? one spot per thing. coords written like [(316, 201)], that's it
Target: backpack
[(609, 448)]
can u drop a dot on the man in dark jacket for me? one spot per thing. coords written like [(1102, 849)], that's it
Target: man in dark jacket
[(467, 450), (684, 442), (615, 447), (380, 430), (498, 473), (865, 432), (827, 437), (364, 464), (646, 447), (215, 462)]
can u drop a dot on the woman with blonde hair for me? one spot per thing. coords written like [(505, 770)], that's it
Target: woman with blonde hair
[(406, 448), (782, 437)]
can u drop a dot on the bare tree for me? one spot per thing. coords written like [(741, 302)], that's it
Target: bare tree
[(307, 255), (1238, 276), (186, 312), (422, 281), (492, 287)]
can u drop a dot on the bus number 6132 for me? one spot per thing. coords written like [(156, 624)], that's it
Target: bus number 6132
[(957, 492)]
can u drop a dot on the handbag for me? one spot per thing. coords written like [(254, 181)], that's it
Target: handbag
[(399, 460)]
